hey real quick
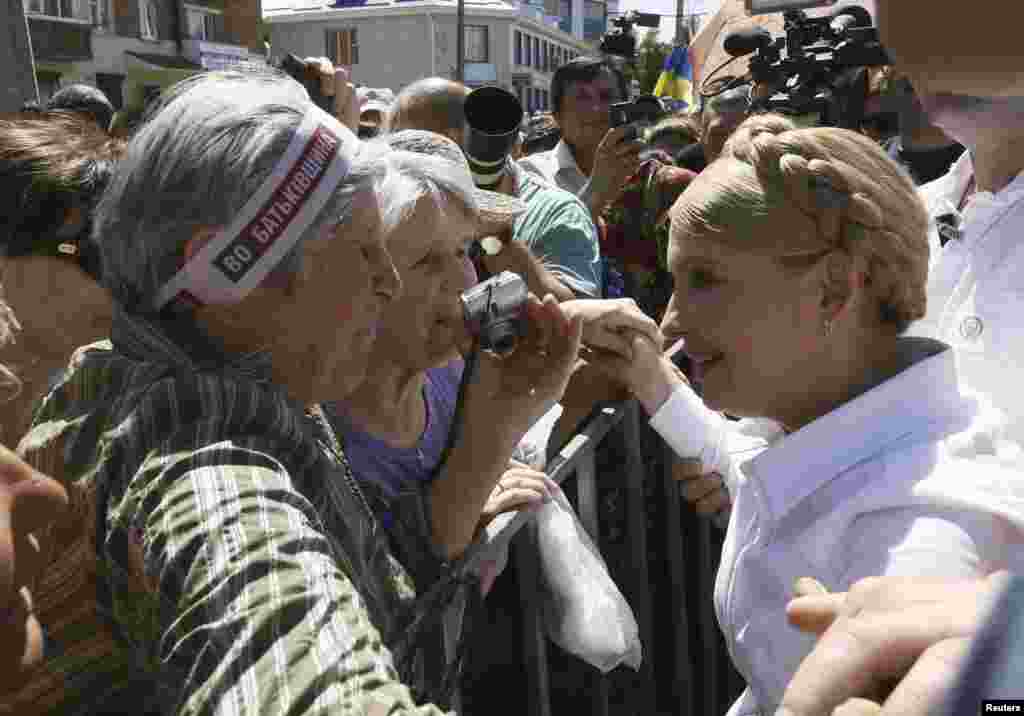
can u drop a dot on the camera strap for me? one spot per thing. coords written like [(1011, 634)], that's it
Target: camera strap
[(239, 257)]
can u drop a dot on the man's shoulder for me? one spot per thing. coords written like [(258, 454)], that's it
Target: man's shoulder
[(536, 188), (542, 163)]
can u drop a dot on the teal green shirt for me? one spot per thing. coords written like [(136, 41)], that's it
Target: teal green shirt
[(559, 231)]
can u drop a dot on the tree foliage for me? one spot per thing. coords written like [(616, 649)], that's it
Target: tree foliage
[(650, 58)]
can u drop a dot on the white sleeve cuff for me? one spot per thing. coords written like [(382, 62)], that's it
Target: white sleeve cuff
[(693, 430)]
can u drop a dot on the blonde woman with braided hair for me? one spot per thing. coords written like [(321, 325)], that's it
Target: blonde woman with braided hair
[(800, 258)]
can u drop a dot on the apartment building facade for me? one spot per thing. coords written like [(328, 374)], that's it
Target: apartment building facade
[(391, 43), (131, 49)]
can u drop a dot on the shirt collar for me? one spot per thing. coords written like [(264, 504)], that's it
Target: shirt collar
[(922, 400), (564, 158)]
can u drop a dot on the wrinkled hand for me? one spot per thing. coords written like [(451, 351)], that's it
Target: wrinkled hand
[(649, 374), (914, 631), (519, 488), (616, 160), (512, 393), (29, 501), (706, 491), (609, 324), (334, 82)]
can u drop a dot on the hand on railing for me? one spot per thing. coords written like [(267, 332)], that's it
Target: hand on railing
[(706, 491), (520, 488)]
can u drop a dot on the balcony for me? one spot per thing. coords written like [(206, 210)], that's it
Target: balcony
[(56, 39)]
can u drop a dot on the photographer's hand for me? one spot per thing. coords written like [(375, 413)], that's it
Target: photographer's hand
[(334, 82), (616, 160), (505, 397)]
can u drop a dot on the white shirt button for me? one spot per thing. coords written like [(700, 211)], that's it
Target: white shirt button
[(971, 328)]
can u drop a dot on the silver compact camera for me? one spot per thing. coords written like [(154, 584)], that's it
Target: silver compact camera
[(493, 311)]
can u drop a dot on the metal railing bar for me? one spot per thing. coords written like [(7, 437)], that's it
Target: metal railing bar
[(683, 690), (504, 527), (586, 495), (638, 587), (535, 654)]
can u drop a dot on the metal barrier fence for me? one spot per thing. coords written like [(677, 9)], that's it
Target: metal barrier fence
[(665, 567)]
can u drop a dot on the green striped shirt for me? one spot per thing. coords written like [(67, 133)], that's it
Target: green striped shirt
[(238, 568)]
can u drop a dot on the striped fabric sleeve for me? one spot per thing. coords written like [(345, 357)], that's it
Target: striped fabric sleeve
[(220, 564)]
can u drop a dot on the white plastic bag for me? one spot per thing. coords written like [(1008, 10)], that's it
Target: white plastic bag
[(584, 612)]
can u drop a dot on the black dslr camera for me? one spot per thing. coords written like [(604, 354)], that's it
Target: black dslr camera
[(307, 74), (493, 311)]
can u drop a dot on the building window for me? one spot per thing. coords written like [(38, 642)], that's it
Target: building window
[(519, 48), (66, 9), (99, 11), (201, 23), (476, 43), (343, 47), (595, 19), (148, 20), (536, 53)]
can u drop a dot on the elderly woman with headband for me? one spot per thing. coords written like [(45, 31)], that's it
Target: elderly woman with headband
[(800, 259), (242, 570)]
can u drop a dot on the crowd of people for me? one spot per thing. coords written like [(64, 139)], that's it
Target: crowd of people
[(256, 438)]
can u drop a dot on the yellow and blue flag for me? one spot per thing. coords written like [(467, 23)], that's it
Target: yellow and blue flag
[(676, 79)]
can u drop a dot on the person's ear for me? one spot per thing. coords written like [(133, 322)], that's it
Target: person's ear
[(843, 280)]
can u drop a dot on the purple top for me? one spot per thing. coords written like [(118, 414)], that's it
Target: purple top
[(394, 468)]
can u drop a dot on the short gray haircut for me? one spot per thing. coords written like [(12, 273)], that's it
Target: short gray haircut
[(424, 165), (202, 151)]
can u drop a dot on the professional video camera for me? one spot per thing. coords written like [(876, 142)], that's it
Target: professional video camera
[(818, 67), (621, 40)]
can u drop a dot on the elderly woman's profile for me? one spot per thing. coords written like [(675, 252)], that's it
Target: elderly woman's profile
[(241, 569)]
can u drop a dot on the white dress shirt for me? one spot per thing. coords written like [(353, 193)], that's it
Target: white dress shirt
[(558, 167), (868, 489), (976, 303)]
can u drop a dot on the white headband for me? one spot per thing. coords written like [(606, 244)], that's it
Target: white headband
[(241, 255)]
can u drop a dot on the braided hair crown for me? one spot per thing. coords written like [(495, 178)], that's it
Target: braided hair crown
[(852, 197)]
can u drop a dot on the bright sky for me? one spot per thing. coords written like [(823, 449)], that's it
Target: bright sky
[(667, 10)]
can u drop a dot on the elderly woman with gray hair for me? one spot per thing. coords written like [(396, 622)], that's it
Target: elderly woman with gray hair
[(242, 570)]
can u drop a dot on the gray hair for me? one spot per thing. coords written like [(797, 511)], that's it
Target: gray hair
[(425, 165), (203, 150)]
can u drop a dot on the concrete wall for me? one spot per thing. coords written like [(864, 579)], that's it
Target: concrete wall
[(396, 50), (17, 82), (393, 51)]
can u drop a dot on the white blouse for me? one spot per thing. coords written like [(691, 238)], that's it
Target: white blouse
[(976, 304), (869, 489)]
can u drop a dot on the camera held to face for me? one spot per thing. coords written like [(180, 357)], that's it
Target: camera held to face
[(493, 311)]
